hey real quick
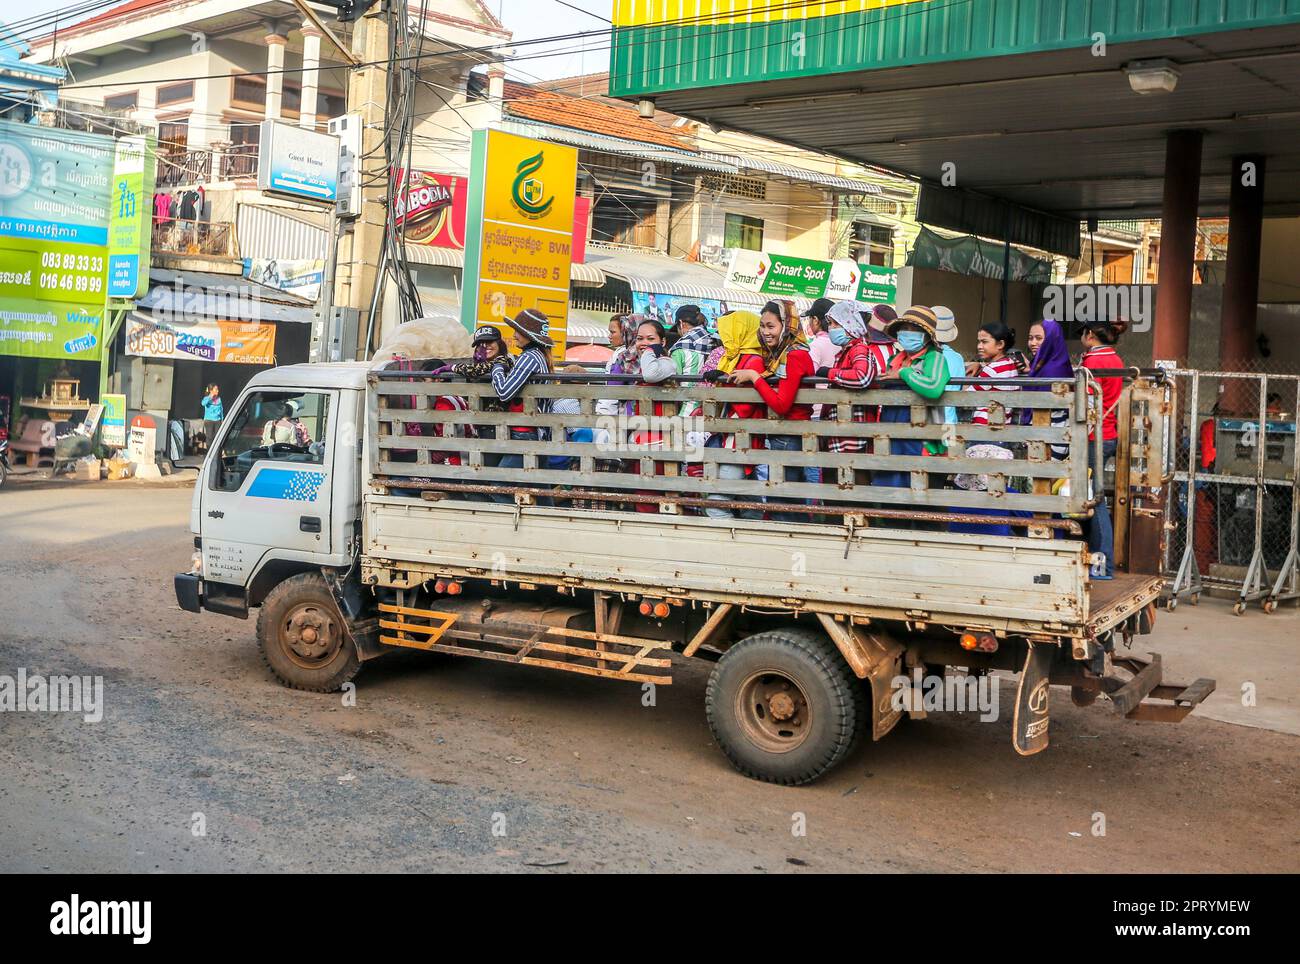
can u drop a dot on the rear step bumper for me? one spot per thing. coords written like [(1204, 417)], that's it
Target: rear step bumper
[(1147, 697)]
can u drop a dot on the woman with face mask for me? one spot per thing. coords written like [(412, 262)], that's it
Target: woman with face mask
[(920, 364)]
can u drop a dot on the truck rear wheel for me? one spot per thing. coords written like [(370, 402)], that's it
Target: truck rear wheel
[(784, 706), (303, 639)]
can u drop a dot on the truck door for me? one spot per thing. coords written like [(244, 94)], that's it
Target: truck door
[(268, 487)]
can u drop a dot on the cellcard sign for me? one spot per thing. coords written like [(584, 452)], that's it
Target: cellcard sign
[(238, 342), (130, 228), (55, 192), (298, 163), (519, 231)]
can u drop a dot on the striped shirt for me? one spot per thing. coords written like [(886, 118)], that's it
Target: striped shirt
[(1002, 368), (508, 384)]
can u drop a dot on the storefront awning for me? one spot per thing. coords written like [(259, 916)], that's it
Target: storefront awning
[(580, 274), (192, 294), (660, 274)]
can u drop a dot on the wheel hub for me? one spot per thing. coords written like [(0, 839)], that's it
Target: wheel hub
[(774, 711), (309, 634), (781, 706)]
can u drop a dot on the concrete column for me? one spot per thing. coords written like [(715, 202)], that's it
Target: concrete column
[(310, 75), (496, 89), (1177, 244), (1241, 284), (274, 75)]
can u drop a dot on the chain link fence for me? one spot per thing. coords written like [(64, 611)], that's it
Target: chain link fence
[(1232, 514)]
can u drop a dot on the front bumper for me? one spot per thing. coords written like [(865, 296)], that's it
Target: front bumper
[(189, 592)]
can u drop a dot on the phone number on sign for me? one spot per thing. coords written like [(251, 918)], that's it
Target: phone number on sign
[(91, 284)]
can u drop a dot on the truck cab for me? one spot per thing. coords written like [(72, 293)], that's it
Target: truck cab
[(279, 493)]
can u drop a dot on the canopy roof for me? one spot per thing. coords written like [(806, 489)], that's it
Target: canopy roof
[(1028, 103)]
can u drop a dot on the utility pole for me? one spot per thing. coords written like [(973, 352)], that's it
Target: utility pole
[(358, 251)]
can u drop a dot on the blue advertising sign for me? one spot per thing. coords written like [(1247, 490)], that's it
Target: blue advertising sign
[(297, 162)]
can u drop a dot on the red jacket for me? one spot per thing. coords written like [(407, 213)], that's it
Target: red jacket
[(1103, 357), (780, 400), (855, 367)]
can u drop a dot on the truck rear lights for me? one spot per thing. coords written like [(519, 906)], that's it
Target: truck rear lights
[(981, 642)]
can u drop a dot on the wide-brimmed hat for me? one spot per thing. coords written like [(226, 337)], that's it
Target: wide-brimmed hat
[(485, 333), (946, 329), (918, 315), (878, 321), (533, 325)]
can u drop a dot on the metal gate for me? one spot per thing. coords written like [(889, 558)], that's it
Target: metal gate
[(1232, 517)]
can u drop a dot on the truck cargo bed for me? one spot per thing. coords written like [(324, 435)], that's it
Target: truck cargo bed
[(1032, 585)]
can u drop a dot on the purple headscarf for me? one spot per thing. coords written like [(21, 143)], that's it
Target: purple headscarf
[(1052, 360)]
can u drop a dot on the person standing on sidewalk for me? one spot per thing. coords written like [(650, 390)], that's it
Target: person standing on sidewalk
[(213, 412)]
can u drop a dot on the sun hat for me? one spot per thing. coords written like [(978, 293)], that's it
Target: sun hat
[(532, 324), (946, 329)]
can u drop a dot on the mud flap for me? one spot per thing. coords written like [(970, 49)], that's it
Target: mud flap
[(1029, 726)]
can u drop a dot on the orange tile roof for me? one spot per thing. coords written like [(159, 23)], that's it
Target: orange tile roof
[(587, 114)]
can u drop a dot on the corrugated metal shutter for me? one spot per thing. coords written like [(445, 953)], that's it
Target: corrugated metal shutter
[(265, 232)]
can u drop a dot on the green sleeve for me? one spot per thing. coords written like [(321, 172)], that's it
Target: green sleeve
[(930, 378)]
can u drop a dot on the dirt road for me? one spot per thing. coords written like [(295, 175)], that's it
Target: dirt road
[(448, 764)]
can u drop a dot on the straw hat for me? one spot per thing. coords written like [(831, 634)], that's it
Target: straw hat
[(946, 329), (918, 315)]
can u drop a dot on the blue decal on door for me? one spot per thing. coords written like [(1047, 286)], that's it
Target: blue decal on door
[(295, 485)]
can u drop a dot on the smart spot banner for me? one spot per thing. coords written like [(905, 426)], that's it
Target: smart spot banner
[(55, 191), (784, 276), (238, 342)]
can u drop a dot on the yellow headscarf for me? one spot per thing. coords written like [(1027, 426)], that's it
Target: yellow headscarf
[(739, 333)]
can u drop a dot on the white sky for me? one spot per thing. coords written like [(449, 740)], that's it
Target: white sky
[(528, 19)]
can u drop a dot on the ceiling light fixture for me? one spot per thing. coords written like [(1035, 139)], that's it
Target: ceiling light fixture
[(1158, 76)]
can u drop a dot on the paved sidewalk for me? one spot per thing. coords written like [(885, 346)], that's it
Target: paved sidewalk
[(1254, 648)]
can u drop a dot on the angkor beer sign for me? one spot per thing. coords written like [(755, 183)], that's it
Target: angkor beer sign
[(432, 209)]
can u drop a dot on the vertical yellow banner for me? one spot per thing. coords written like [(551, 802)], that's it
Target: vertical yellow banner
[(519, 231)]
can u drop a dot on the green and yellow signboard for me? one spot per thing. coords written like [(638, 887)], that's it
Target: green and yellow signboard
[(519, 231), (130, 217), (55, 190)]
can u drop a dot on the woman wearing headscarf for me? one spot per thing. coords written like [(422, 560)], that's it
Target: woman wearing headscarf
[(854, 365), (785, 358), (1052, 360), (624, 361), (920, 364), (741, 350)]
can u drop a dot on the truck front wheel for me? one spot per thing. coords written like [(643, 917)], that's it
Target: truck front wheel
[(303, 639), (784, 706)]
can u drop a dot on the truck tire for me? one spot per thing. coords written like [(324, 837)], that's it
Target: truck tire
[(302, 636), (784, 706)]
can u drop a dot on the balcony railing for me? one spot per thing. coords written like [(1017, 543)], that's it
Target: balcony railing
[(1121, 228), (213, 239), (204, 165)]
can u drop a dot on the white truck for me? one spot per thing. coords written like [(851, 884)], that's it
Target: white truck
[(360, 514)]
